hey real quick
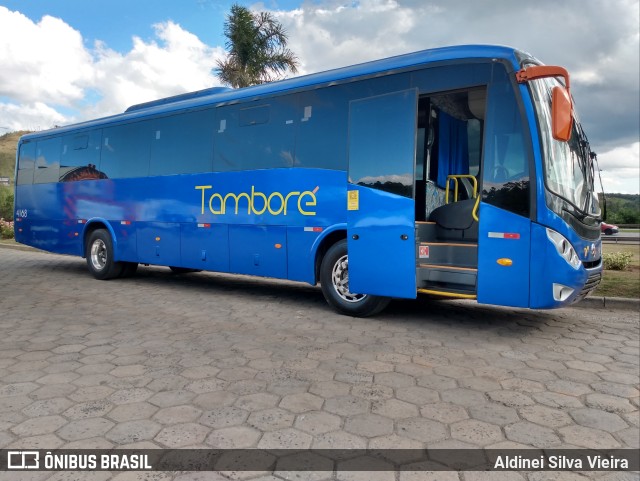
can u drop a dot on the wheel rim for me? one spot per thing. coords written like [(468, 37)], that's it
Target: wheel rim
[(98, 254), (340, 281)]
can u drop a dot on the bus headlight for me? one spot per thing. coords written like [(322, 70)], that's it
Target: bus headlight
[(564, 248)]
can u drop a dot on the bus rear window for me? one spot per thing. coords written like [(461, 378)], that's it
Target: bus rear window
[(26, 163)]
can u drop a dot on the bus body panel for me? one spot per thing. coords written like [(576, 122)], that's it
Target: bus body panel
[(258, 250), (504, 240), (158, 243), (382, 245), (199, 221), (555, 270), (205, 246)]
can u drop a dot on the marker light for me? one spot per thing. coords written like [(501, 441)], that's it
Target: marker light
[(564, 248)]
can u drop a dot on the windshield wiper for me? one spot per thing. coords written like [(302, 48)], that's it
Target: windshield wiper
[(594, 161), (586, 160)]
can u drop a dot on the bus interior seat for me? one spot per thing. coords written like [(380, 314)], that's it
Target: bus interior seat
[(435, 197), (455, 221)]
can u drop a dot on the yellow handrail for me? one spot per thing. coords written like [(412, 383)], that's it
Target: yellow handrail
[(455, 178), (474, 212)]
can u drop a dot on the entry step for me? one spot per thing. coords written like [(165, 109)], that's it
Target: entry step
[(447, 254), (447, 278)]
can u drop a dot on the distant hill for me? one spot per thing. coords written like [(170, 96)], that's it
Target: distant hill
[(8, 144), (623, 208)]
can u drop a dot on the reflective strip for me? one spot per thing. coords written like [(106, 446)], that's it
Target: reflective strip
[(125, 222), (313, 229), (504, 235), (204, 226)]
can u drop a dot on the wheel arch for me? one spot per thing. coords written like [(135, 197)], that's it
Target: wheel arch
[(93, 225), (329, 237)]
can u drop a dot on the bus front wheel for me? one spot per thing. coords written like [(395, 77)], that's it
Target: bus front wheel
[(100, 256), (334, 280)]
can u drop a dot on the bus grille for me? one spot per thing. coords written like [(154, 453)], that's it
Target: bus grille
[(592, 282), (591, 264)]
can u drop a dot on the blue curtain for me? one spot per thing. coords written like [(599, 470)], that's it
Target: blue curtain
[(453, 149)]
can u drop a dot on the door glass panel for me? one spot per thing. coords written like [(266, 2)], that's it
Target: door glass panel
[(378, 163), (506, 169)]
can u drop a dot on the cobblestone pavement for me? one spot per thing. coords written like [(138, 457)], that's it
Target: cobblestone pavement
[(209, 360)]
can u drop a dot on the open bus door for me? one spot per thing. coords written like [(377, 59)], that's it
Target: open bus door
[(381, 223)]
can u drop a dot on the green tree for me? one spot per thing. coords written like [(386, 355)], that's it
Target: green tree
[(257, 49), (6, 203)]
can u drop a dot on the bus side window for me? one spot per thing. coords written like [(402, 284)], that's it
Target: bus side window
[(125, 150), (47, 168), (182, 144), (80, 150), (26, 163), (249, 137), (323, 114)]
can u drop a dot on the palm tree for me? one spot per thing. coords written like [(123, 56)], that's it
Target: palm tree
[(257, 46)]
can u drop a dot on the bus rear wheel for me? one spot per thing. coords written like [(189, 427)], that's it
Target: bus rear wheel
[(99, 254), (334, 280)]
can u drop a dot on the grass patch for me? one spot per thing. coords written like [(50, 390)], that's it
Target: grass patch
[(621, 283)]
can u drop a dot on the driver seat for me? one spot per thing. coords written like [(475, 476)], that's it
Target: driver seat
[(455, 222)]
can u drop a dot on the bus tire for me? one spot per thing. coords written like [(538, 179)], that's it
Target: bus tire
[(100, 256), (334, 280)]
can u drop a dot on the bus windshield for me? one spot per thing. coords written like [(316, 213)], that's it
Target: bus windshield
[(568, 167)]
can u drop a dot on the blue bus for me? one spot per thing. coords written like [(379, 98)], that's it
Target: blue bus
[(459, 172)]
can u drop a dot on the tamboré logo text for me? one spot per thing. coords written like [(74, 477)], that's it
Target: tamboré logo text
[(257, 202)]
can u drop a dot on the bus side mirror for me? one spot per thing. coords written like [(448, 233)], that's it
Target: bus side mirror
[(561, 114)]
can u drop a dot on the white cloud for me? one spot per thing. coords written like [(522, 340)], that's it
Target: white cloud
[(30, 116), (178, 63), (620, 169), (330, 35), (44, 61), (47, 73)]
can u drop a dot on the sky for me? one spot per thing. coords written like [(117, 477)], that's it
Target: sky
[(65, 61)]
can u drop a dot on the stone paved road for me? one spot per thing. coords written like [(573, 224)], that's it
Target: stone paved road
[(208, 360)]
